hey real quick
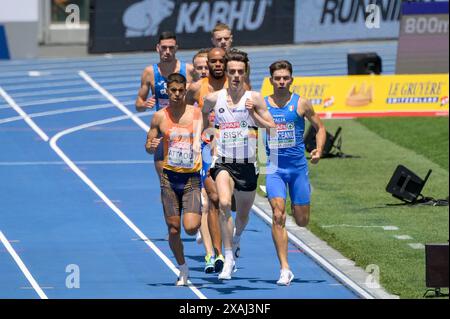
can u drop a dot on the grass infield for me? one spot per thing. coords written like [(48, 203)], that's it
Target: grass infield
[(349, 204)]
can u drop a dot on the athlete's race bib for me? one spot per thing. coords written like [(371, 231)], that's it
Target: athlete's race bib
[(234, 134), (285, 136), (180, 154)]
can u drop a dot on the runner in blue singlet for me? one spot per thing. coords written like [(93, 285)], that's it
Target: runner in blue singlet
[(287, 165), (154, 79)]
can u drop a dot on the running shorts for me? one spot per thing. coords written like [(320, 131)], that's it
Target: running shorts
[(298, 182)]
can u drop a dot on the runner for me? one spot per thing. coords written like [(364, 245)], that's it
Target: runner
[(200, 63), (238, 114), (180, 127), (210, 229), (287, 165), (221, 37), (154, 79)]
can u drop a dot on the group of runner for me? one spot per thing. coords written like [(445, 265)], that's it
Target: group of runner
[(204, 137)]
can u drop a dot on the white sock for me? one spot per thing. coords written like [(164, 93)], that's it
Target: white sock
[(183, 266), (229, 254)]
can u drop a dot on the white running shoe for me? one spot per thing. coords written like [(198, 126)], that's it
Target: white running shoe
[(199, 238), (183, 278), (227, 271), (286, 276)]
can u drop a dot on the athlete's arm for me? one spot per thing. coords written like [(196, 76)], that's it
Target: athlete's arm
[(189, 73), (142, 103), (305, 108), (258, 111), (152, 136), (192, 93)]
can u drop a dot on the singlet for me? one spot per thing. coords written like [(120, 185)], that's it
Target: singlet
[(162, 98), (236, 131), (203, 92), (287, 147), (179, 155)]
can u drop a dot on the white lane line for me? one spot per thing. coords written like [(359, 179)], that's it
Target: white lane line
[(113, 100), (36, 93), (111, 205), (361, 226), (48, 163), (24, 115), (22, 266), (69, 110), (319, 259), (68, 99)]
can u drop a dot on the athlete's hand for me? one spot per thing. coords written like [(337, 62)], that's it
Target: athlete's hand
[(152, 145), (150, 103), (249, 105), (315, 156)]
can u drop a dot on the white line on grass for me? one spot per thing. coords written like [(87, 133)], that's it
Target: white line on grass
[(361, 226), (24, 115), (22, 266)]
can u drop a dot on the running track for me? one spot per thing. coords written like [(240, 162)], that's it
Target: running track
[(78, 190)]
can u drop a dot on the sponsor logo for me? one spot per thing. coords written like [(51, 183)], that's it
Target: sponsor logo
[(240, 15), (143, 18)]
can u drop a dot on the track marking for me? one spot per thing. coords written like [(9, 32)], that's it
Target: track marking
[(24, 115), (319, 259), (48, 163), (56, 112), (417, 246), (113, 100), (22, 266), (85, 179), (107, 201)]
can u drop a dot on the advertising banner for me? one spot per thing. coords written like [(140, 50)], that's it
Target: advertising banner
[(132, 25), (373, 95), (336, 20), (423, 43)]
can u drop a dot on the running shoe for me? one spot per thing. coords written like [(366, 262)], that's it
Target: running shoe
[(227, 271), (218, 263), (286, 276), (183, 278), (209, 264), (236, 248)]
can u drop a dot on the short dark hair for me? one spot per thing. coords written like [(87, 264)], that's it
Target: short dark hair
[(280, 65), (176, 78), (165, 35), (237, 55)]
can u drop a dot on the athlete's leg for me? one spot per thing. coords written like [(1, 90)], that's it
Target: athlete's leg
[(204, 229), (213, 215), (192, 205), (244, 203), (279, 233), (175, 243), (300, 191), (225, 186)]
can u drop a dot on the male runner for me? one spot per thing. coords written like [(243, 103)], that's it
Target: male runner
[(210, 218), (180, 126), (221, 37), (154, 79), (200, 63), (238, 114), (287, 164)]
